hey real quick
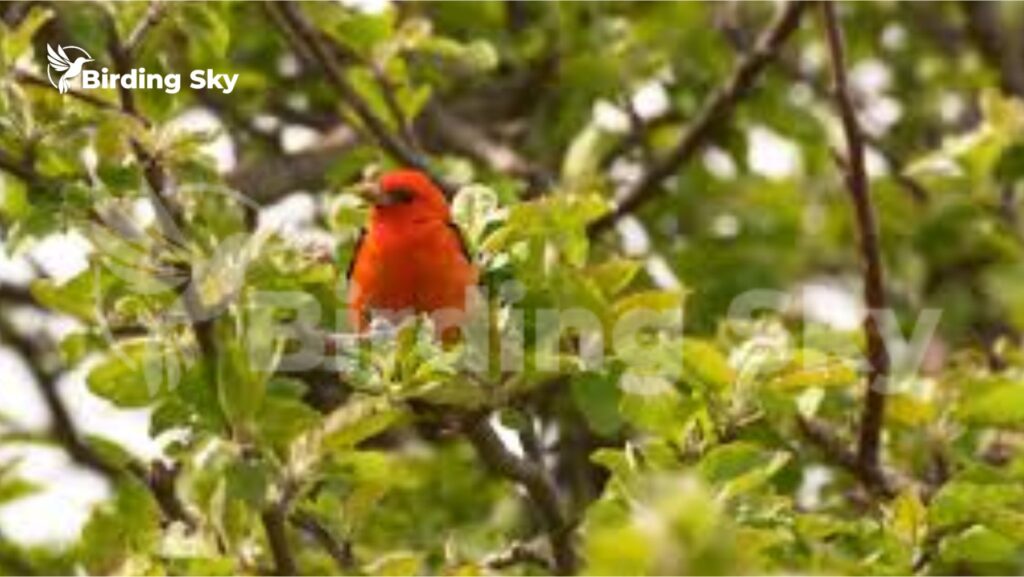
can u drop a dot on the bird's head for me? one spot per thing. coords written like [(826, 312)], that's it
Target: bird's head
[(406, 195), (82, 60)]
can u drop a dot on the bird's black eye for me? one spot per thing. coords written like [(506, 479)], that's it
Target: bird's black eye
[(394, 196)]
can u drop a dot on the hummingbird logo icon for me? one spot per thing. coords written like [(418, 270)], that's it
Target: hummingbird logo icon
[(59, 61)]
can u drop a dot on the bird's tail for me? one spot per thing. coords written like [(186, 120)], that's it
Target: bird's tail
[(62, 85)]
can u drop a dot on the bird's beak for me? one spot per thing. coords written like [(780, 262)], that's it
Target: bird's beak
[(366, 190), (372, 194)]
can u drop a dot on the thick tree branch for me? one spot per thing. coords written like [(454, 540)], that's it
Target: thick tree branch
[(867, 231), (537, 483), (715, 110), (277, 537)]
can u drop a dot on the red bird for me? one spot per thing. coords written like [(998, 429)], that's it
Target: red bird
[(411, 258)]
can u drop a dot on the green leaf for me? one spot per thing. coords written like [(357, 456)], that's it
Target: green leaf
[(357, 420), (13, 198), (704, 364), (16, 42), (397, 563), (614, 275), (76, 297), (126, 526), (741, 466), (653, 404), (134, 373), (598, 396), (281, 420), (1000, 406)]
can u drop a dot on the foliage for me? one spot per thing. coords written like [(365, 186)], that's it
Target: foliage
[(665, 452)]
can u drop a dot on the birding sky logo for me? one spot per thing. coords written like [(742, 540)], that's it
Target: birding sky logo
[(68, 62), (64, 66)]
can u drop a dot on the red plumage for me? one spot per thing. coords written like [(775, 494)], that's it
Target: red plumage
[(411, 258)]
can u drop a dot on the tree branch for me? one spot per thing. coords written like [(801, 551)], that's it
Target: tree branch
[(537, 483), (716, 109), (1003, 50), (266, 180), (299, 31), (168, 218), (18, 168), (274, 525), (837, 451), (62, 427), (340, 551), (874, 290)]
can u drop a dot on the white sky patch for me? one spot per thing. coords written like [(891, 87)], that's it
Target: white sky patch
[(13, 269), (881, 114), (296, 138), (63, 255), (951, 107), (870, 77), (368, 6), (831, 304), (292, 212), (661, 273), (725, 226), (894, 37), (772, 155), (719, 163), (22, 401), (610, 118), (56, 515), (633, 236), (651, 100), (288, 65), (875, 164), (220, 148)]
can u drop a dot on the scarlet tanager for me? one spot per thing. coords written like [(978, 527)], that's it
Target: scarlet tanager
[(411, 257)]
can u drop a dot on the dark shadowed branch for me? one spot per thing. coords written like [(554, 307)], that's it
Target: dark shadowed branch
[(838, 452), (339, 550), (277, 537), (867, 231), (537, 483), (1002, 47), (716, 109)]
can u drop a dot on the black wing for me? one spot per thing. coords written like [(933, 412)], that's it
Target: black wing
[(462, 241), (355, 254)]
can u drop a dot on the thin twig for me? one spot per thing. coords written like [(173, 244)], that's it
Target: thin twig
[(715, 110), (301, 31), (62, 426), (838, 451), (32, 79), (169, 219), (18, 168), (918, 192), (874, 290), (339, 550), (515, 554), (154, 13), (537, 483)]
